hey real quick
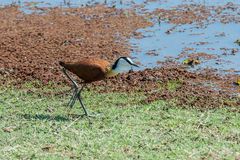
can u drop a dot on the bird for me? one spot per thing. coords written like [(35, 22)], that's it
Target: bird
[(90, 70)]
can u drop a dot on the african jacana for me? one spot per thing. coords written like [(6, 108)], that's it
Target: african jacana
[(90, 70)]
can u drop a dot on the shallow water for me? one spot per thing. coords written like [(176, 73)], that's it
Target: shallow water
[(216, 36), (171, 45), (121, 3)]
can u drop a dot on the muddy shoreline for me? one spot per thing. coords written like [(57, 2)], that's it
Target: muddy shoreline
[(32, 44)]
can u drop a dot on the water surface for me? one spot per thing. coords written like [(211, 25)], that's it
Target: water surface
[(218, 38)]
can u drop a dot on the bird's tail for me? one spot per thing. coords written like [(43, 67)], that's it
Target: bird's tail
[(61, 63)]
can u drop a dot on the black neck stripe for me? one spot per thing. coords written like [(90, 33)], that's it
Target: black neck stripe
[(114, 66)]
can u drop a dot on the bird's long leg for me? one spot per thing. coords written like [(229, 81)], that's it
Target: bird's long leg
[(86, 113), (75, 89), (73, 98), (76, 94), (80, 100)]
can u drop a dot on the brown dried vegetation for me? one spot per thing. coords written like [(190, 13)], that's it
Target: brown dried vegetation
[(184, 14), (32, 44), (205, 89)]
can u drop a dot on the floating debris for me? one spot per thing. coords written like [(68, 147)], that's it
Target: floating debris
[(237, 41), (191, 62), (237, 82)]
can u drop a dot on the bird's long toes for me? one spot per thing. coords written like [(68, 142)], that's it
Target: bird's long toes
[(95, 115)]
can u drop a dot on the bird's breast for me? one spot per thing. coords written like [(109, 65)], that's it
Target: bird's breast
[(111, 73)]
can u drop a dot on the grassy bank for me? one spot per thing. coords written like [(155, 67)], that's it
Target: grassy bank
[(36, 126)]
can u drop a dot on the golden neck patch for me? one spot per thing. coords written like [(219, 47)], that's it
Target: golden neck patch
[(111, 73)]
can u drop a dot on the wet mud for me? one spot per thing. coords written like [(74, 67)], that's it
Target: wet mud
[(202, 89), (31, 45), (199, 14)]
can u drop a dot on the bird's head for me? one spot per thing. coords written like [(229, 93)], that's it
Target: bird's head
[(120, 65), (122, 61)]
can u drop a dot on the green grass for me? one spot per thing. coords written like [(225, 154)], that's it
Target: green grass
[(173, 85), (37, 126)]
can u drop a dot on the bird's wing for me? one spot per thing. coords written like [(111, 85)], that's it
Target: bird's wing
[(92, 72), (88, 70)]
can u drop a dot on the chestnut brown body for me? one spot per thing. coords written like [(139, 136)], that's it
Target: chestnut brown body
[(89, 70)]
